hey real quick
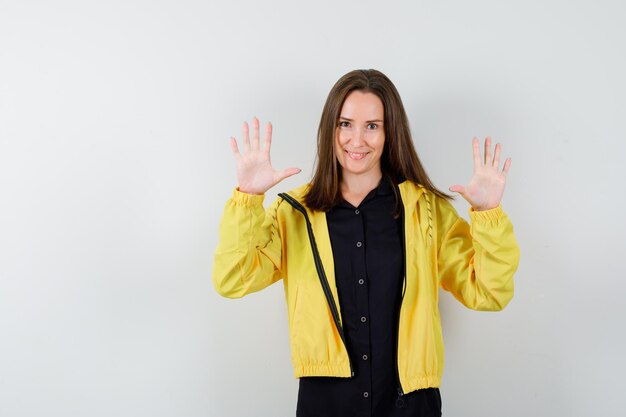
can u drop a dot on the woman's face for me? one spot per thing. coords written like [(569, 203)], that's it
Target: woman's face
[(360, 134)]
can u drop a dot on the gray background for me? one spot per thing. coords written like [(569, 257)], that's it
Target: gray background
[(115, 165)]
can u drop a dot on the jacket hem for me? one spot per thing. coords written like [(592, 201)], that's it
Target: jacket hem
[(422, 382), (338, 370)]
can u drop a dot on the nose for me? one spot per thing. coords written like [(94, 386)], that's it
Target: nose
[(358, 136)]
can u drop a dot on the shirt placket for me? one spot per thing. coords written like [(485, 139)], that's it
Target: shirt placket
[(362, 346)]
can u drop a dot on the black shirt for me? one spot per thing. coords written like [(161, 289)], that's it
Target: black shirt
[(369, 266)]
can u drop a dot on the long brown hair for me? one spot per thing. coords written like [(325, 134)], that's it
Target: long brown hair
[(399, 161)]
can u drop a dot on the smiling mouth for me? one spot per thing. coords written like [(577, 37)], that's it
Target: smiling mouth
[(357, 155)]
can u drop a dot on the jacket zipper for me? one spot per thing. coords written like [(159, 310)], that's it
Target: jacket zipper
[(320, 271), (400, 399)]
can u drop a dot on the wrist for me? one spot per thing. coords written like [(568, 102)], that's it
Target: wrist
[(483, 208), (249, 191)]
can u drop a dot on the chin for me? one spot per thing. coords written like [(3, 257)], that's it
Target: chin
[(357, 170)]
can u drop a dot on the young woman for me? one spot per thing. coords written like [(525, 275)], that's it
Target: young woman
[(362, 250)]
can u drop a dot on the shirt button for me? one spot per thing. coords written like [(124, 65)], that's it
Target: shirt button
[(364, 357), (366, 394), (359, 244), (363, 319), (356, 211), (361, 281)]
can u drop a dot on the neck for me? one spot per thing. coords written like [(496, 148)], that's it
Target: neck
[(359, 184)]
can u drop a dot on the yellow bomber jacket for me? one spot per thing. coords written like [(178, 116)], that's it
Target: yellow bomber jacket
[(476, 263)]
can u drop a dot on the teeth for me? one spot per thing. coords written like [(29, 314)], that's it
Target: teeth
[(356, 155)]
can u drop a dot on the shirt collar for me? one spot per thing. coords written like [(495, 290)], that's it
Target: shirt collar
[(384, 187)]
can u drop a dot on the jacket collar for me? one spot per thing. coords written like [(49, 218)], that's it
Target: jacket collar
[(409, 191)]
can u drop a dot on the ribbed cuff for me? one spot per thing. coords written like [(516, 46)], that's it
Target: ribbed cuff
[(485, 216), (247, 200)]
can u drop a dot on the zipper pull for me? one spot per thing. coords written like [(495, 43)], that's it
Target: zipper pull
[(400, 399)]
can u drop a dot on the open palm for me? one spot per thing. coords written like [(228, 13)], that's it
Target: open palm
[(255, 173), (486, 186)]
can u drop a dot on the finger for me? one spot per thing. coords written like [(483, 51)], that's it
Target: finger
[(267, 144), (476, 149), (496, 156), (245, 131), (288, 173), (255, 134), (234, 147), (507, 165), (487, 150)]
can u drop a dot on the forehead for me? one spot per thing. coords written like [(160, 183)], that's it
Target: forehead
[(362, 105)]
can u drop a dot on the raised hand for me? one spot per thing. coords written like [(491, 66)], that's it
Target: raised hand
[(486, 187), (255, 173)]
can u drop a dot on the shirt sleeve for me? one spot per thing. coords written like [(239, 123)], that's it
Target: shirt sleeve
[(248, 254), (476, 262)]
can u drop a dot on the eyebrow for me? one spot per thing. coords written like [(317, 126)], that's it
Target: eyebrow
[(367, 121)]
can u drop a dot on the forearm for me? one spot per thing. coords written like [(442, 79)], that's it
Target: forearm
[(247, 258), (477, 262)]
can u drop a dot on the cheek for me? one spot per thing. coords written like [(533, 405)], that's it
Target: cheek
[(338, 148), (379, 142), (340, 137)]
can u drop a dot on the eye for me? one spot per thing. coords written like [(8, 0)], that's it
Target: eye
[(343, 123), (372, 126)]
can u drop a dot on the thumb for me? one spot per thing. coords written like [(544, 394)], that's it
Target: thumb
[(288, 172), (457, 189)]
